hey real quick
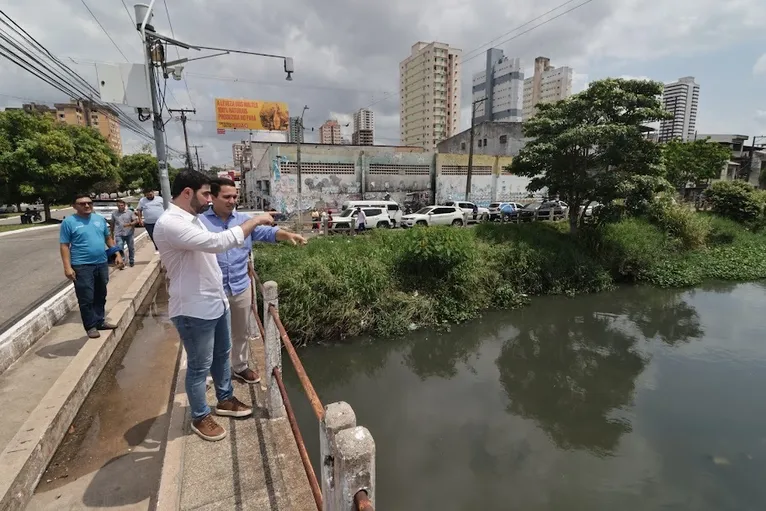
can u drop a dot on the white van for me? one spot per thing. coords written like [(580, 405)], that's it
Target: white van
[(394, 211)]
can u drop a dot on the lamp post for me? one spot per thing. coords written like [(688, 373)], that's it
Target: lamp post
[(155, 57), (298, 168), (470, 150)]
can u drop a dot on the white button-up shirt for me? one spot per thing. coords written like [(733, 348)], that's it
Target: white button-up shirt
[(187, 250)]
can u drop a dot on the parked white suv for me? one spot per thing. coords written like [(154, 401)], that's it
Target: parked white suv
[(435, 215), (482, 214), (376, 218)]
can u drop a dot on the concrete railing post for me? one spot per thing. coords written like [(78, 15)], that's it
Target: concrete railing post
[(352, 226), (325, 226), (272, 346), (347, 458)]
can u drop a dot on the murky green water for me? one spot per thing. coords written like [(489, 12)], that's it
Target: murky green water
[(640, 399)]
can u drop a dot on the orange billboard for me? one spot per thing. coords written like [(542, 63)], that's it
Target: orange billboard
[(246, 114)]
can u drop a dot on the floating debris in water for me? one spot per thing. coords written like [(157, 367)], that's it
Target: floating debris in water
[(721, 461)]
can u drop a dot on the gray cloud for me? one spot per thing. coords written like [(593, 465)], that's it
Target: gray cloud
[(347, 51)]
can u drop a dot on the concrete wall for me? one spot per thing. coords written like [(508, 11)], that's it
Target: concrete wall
[(491, 132), (489, 180), (332, 174)]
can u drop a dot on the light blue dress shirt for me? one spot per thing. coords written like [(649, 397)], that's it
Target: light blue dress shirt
[(233, 262)]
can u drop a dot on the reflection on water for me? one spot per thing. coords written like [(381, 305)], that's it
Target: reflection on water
[(636, 399)]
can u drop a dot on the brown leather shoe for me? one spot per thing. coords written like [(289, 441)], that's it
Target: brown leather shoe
[(107, 326), (208, 429), (233, 407), (93, 333), (248, 376)]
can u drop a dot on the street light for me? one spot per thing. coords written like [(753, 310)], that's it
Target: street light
[(152, 40)]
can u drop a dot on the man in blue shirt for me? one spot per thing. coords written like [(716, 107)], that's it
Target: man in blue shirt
[(82, 241), (237, 269)]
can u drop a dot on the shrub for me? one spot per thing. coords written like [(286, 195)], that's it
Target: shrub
[(628, 249), (736, 200), (681, 222)]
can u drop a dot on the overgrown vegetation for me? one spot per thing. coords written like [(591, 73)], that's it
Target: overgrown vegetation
[(390, 281)]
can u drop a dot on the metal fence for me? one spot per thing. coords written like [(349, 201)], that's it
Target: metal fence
[(347, 451)]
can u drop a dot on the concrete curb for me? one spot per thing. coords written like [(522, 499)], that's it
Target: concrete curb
[(28, 229), (171, 480), (29, 452), (15, 341)]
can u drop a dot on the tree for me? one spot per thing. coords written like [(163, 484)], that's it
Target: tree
[(585, 146), (60, 162), (139, 171), (737, 200), (17, 126), (693, 162)]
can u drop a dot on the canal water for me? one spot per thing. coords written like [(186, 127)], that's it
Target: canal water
[(638, 399)]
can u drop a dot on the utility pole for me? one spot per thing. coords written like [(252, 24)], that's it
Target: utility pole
[(196, 153), (155, 42), (183, 112), (470, 150), (298, 168)]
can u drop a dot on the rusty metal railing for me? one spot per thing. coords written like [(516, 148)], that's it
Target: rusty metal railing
[(341, 427)]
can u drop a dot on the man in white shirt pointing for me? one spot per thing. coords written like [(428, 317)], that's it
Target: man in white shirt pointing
[(199, 307)]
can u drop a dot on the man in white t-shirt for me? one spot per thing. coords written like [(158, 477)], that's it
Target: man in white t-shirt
[(361, 220), (149, 209)]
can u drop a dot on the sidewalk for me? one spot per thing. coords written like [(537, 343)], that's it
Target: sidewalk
[(256, 467), (46, 386)]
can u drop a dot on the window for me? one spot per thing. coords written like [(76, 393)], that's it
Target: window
[(479, 142), (485, 142), (393, 207), (462, 146), (442, 211), (503, 139)]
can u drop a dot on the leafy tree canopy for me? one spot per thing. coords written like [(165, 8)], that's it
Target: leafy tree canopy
[(693, 162), (585, 146)]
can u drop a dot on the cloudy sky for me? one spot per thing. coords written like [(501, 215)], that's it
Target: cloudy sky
[(347, 52)]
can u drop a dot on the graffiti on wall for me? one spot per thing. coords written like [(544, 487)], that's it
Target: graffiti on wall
[(453, 188)]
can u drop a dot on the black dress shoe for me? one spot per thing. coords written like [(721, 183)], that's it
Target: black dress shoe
[(107, 326)]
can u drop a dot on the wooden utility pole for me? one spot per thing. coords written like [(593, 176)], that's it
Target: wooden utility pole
[(470, 150), (183, 112), (196, 153)]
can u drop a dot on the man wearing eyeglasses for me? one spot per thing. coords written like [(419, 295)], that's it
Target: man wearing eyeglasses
[(82, 238)]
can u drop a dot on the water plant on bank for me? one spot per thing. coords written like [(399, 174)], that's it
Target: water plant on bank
[(389, 281)]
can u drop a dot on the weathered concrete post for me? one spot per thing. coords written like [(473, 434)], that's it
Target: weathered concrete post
[(352, 228), (325, 226), (353, 466), (337, 417), (272, 346)]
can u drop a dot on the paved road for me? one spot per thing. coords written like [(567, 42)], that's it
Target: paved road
[(30, 268), (58, 214)]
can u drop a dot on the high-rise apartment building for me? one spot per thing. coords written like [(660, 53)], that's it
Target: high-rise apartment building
[(501, 87), (237, 152), (429, 94), (680, 98), (329, 133), (548, 85), (295, 133), (364, 128), (84, 113)]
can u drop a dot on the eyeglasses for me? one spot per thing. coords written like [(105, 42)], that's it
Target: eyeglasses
[(84, 204)]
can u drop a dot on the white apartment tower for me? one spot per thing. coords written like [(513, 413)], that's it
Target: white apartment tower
[(680, 98), (429, 93), (548, 84), (364, 127), (502, 93), (329, 133)]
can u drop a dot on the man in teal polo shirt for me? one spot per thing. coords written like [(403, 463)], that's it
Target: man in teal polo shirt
[(237, 269), (82, 240)]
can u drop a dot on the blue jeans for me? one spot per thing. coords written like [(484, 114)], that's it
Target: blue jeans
[(128, 240), (150, 231), (90, 289), (207, 343)]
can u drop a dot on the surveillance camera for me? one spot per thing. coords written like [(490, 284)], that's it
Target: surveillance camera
[(289, 76), (289, 66), (177, 73)]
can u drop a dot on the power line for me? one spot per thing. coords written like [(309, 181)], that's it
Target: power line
[(280, 84), (107, 33), (394, 94)]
